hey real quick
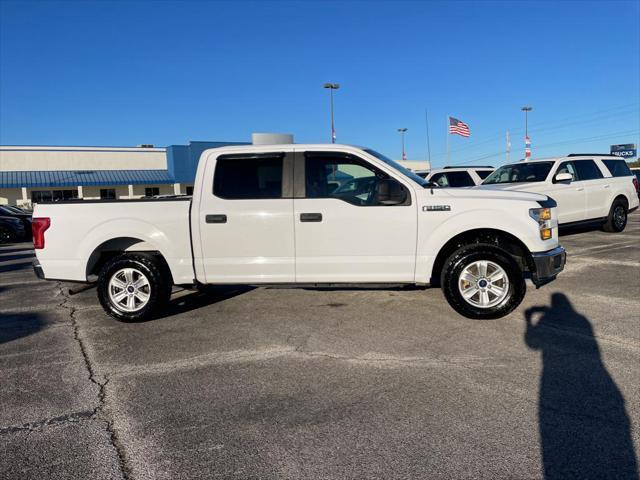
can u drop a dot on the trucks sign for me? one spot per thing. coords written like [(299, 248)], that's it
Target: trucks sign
[(627, 150)]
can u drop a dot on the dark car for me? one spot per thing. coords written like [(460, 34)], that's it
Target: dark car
[(11, 229), (15, 212)]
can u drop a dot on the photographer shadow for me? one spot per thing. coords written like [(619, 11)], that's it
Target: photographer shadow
[(584, 427)]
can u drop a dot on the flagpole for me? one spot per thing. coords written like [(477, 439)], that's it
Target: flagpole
[(508, 146), (426, 116), (448, 151)]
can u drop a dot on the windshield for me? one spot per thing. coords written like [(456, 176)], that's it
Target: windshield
[(520, 173), (405, 171)]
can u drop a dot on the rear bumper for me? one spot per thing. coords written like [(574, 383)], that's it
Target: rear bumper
[(547, 265), (37, 269)]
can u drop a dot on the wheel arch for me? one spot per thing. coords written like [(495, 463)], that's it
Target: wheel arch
[(488, 236), (622, 197), (113, 247)]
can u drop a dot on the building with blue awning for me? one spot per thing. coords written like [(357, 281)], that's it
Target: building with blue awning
[(30, 174)]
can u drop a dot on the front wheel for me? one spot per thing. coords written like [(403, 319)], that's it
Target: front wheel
[(134, 286), (482, 282)]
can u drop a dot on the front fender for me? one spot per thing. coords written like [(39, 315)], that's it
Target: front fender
[(435, 229)]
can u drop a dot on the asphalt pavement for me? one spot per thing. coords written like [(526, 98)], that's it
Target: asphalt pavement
[(326, 383)]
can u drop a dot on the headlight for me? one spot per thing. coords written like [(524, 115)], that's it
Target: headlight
[(543, 217)]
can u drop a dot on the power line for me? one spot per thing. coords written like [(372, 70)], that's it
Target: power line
[(557, 124), (555, 144)]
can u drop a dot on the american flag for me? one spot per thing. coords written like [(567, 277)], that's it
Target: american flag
[(458, 127)]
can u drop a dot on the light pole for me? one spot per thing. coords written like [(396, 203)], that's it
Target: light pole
[(332, 87), (402, 132), (527, 141)]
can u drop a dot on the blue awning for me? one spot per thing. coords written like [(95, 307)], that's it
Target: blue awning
[(70, 178)]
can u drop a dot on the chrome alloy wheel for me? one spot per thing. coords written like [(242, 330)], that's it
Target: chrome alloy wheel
[(129, 290), (619, 216), (483, 284)]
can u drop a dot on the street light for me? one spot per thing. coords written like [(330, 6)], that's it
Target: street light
[(332, 87), (527, 141), (402, 132), (526, 110)]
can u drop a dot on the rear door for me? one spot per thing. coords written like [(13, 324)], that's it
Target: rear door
[(246, 219), (343, 232), (596, 187), (571, 196)]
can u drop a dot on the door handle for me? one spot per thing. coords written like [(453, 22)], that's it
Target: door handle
[(310, 217), (580, 189), (216, 219), (607, 186)]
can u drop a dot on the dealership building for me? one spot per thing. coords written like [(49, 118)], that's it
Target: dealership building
[(34, 174), (30, 174)]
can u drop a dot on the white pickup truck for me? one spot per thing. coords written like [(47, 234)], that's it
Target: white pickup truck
[(303, 214)]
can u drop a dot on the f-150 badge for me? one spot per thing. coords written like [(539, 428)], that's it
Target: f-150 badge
[(436, 208)]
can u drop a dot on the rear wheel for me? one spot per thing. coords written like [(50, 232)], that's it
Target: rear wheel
[(482, 282), (134, 286), (617, 219)]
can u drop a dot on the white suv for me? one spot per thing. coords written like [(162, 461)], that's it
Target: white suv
[(459, 176), (587, 187)]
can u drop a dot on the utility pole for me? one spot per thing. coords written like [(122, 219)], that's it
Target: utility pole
[(527, 140), (508, 146), (332, 87), (402, 132)]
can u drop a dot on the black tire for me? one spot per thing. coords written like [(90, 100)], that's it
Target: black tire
[(617, 218), (465, 256), (157, 274), (7, 235)]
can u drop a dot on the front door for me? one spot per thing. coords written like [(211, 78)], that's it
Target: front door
[(246, 219), (570, 196), (346, 230)]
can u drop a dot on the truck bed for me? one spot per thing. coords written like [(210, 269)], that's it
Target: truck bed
[(82, 229)]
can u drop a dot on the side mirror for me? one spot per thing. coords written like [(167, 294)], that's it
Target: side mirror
[(563, 177), (390, 192)]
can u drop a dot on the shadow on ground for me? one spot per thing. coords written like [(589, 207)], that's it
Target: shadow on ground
[(579, 229), (584, 426), (207, 295), (17, 325), (15, 266)]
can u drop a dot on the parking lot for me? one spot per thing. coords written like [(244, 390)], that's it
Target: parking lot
[(326, 383)]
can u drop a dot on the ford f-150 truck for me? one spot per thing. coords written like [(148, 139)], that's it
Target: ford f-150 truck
[(303, 214)]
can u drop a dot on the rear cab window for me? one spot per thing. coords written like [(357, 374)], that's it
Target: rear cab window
[(618, 168), (248, 177)]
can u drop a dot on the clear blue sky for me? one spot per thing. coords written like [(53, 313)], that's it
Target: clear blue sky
[(124, 73)]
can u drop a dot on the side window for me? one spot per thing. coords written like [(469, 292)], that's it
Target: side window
[(618, 168), (567, 167), (151, 191), (460, 179), (441, 179), (587, 170), (238, 178), (347, 179), (483, 173)]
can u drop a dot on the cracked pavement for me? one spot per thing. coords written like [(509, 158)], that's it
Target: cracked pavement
[(326, 383)]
